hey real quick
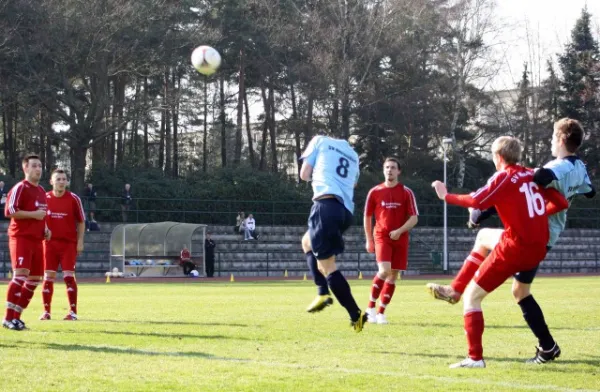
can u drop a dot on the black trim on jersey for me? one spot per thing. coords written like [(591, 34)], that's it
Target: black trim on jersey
[(591, 193), (572, 158), (544, 176)]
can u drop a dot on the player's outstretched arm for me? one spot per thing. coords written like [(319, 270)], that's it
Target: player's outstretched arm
[(466, 201)]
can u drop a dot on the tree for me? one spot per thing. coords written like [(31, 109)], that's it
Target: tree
[(580, 82)]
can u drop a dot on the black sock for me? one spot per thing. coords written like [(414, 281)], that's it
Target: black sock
[(532, 313), (318, 277), (341, 290)]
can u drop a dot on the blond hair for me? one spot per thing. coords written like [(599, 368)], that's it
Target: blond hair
[(509, 148)]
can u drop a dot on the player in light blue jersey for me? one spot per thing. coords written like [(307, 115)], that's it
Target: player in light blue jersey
[(332, 166), (568, 175)]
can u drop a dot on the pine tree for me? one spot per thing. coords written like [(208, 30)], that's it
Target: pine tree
[(581, 81), (522, 110)]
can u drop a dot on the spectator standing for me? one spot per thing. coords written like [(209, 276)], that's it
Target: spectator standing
[(126, 200), (209, 254), (89, 196)]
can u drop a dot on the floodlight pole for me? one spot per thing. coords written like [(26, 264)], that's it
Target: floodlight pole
[(446, 142)]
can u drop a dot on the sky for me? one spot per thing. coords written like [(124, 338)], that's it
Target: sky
[(550, 20)]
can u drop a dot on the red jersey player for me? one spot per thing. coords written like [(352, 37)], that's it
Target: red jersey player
[(66, 220), (26, 206), (395, 210), (523, 211)]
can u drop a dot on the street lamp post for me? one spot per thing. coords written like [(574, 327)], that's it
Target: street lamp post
[(446, 142)]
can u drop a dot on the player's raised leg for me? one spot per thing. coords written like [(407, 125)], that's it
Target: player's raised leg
[(323, 298), (485, 241)]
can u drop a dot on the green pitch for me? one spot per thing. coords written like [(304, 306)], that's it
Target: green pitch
[(257, 337)]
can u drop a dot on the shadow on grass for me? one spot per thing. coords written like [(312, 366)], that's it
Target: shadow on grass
[(120, 350), (171, 323), (496, 359), (153, 334)]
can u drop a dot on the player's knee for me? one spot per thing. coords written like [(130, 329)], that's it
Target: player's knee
[(68, 273), (473, 296), (49, 275), (327, 266), (21, 271), (520, 290), (393, 276)]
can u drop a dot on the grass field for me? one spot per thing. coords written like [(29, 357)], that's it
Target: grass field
[(256, 337)]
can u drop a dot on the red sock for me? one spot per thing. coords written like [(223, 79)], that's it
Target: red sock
[(47, 293), (12, 295), (376, 290), (71, 292), (467, 271), (386, 295), (26, 295), (474, 328)]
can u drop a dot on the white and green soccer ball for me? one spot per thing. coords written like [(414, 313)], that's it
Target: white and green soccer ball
[(206, 60)]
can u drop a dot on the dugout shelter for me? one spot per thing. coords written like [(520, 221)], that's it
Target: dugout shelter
[(153, 249)]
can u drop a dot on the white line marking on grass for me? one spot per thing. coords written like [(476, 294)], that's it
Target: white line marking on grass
[(474, 381)]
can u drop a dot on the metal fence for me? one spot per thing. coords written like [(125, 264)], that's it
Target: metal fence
[(284, 213)]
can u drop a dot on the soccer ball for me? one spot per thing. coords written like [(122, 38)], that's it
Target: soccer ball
[(194, 273), (206, 60)]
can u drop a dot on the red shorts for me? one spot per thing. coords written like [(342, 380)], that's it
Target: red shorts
[(508, 258), (394, 252), (27, 253), (63, 253)]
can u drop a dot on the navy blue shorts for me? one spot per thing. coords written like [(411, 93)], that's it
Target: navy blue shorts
[(528, 276), (328, 220)]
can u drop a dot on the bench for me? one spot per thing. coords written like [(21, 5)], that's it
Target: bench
[(155, 266)]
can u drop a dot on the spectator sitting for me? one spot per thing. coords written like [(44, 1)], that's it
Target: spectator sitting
[(185, 260), (92, 225), (241, 222), (250, 228)]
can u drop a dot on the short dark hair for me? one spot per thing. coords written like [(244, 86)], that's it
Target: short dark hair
[(29, 156), (571, 131), (393, 159), (60, 171)]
